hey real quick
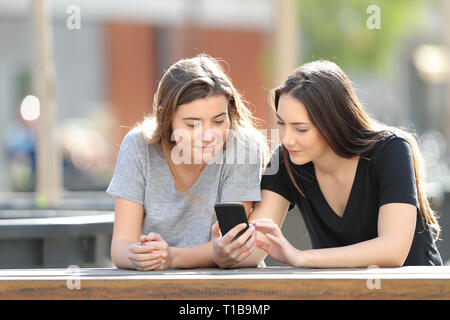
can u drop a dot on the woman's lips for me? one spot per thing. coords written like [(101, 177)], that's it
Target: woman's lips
[(210, 147), (294, 152)]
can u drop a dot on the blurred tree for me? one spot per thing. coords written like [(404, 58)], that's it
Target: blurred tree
[(340, 30), (48, 155)]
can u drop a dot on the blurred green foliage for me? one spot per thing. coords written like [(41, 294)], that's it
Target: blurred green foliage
[(337, 30)]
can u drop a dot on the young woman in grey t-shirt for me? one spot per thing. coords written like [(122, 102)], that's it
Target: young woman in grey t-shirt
[(197, 148)]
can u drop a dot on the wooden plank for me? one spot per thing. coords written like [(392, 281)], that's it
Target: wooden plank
[(254, 273), (242, 289), (243, 284)]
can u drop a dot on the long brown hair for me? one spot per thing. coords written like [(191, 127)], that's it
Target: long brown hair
[(185, 81), (334, 109)]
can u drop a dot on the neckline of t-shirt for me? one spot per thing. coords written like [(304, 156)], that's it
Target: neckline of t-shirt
[(172, 181), (326, 206)]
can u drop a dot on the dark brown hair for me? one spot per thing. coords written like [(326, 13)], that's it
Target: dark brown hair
[(185, 81), (334, 109)]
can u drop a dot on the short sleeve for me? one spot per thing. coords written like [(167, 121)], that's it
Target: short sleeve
[(275, 177), (242, 177), (128, 180), (395, 173)]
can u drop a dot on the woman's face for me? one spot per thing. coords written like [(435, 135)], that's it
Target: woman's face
[(200, 129), (297, 133)]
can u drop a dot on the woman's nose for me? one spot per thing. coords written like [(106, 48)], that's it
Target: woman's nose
[(209, 135), (287, 139)]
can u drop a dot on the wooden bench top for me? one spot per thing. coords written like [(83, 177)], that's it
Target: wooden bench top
[(274, 283)]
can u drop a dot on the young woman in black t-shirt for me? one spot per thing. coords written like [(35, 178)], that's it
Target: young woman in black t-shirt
[(358, 183)]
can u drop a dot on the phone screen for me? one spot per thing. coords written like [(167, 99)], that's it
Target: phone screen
[(230, 215)]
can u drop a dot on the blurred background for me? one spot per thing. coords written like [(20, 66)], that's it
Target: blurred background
[(76, 75)]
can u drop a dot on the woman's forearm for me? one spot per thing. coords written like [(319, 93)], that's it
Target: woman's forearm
[(120, 253), (193, 257), (382, 252), (253, 260)]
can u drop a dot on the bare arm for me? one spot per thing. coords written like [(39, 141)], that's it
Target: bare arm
[(199, 256), (128, 217), (126, 243), (396, 226), (273, 206)]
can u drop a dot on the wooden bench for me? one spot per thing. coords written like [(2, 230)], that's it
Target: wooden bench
[(274, 283)]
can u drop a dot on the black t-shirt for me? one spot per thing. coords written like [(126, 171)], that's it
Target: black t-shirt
[(384, 175)]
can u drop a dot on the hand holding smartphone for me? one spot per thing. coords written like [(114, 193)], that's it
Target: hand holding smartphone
[(230, 215)]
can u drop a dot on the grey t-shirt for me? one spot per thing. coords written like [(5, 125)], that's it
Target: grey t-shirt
[(142, 175)]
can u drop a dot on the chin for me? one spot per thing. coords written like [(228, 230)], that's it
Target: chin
[(203, 157), (207, 158), (299, 160)]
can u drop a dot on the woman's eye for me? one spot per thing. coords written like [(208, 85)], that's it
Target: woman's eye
[(219, 121), (301, 130), (280, 123)]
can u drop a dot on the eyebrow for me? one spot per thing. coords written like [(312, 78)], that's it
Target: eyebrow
[(293, 123), (216, 116)]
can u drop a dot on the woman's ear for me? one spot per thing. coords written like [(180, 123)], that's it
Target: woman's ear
[(159, 108)]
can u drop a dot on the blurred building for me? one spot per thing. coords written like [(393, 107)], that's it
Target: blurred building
[(114, 61), (108, 69)]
